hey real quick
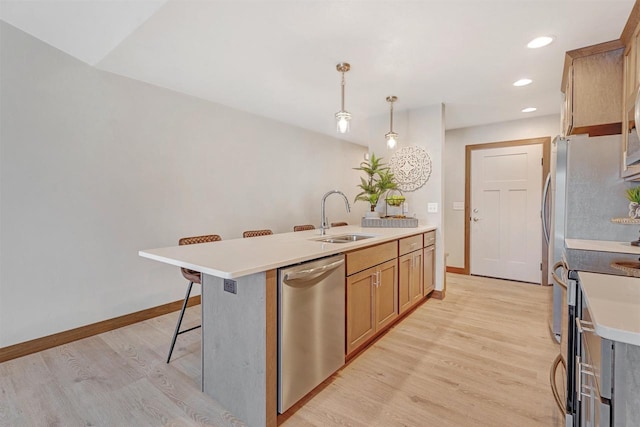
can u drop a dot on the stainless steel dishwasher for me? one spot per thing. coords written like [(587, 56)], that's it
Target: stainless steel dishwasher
[(311, 326)]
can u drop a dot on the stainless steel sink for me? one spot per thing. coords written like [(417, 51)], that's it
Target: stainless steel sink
[(344, 238)]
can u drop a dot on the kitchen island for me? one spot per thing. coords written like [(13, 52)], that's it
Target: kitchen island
[(239, 308)]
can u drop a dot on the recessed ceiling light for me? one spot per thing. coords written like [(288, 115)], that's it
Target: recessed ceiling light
[(522, 82), (539, 42), (529, 109)]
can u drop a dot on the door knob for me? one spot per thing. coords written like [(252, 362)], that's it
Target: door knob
[(475, 210), (476, 219)]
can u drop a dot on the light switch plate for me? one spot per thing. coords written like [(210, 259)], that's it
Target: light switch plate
[(432, 207)]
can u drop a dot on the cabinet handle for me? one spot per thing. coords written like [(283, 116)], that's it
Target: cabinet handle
[(374, 279), (583, 369), (378, 279), (578, 379), (587, 369), (588, 395), (584, 325)]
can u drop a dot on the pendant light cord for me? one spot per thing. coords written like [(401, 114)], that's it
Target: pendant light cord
[(342, 105)]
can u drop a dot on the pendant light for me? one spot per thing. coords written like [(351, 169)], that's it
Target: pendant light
[(392, 137), (342, 117)]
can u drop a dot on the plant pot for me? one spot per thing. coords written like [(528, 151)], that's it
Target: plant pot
[(634, 210), (371, 214)]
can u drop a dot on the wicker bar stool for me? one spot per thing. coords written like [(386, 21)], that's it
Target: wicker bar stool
[(256, 233), (303, 227), (339, 224), (193, 277)]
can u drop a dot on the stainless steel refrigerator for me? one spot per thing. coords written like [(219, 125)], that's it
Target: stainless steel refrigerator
[(585, 192)]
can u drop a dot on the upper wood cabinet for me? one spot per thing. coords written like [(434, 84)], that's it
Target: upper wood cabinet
[(592, 88), (629, 166)]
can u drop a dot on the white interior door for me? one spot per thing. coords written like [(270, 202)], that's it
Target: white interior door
[(506, 188)]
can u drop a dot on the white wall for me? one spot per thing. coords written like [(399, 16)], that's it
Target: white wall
[(454, 159), (95, 167), (423, 127)]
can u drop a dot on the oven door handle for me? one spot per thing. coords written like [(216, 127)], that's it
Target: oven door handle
[(584, 326)]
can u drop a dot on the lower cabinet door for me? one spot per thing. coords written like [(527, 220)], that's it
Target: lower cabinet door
[(417, 274), (386, 294), (429, 269), (405, 265), (361, 323)]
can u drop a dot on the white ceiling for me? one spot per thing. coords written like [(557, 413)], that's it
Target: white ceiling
[(277, 58)]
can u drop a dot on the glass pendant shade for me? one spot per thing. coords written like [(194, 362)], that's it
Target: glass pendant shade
[(342, 117), (392, 139), (342, 121)]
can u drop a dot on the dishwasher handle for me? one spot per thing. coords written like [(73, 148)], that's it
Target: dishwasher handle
[(312, 273)]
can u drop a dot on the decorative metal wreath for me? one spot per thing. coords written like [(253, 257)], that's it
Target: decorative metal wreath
[(411, 167)]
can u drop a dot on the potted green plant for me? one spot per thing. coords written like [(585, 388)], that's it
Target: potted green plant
[(379, 179), (633, 195)]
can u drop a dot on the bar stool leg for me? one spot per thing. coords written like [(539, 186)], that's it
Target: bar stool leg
[(184, 307)]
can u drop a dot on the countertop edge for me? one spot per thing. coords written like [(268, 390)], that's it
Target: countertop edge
[(608, 332), (261, 267), (601, 246), (182, 264)]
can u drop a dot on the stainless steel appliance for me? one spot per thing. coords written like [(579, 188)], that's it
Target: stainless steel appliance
[(585, 192), (554, 209), (311, 326), (590, 397)]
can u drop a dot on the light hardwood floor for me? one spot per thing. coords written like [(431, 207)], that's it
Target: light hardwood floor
[(480, 357)]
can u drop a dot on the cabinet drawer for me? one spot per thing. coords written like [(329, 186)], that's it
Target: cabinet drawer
[(410, 244), (361, 259), (429, 238)]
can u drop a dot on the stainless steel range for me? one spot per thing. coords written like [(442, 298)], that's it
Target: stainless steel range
[(594, 407)]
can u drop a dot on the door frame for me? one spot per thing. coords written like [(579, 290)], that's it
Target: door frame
[(546, 156)]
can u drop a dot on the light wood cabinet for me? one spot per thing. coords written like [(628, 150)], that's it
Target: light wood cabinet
[(386, 294), (629, 167), (592, 86), (372, 292), (361, 324), (364, 258), (372, 298), (429, 269), (428, 262), (410, 272), (409, 244), (385, 281), (630, 71)]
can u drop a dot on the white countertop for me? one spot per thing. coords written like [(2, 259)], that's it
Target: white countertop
[(234, 258), (602, 246), (614, 304)]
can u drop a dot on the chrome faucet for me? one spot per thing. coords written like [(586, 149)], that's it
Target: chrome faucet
[(324, 223)]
